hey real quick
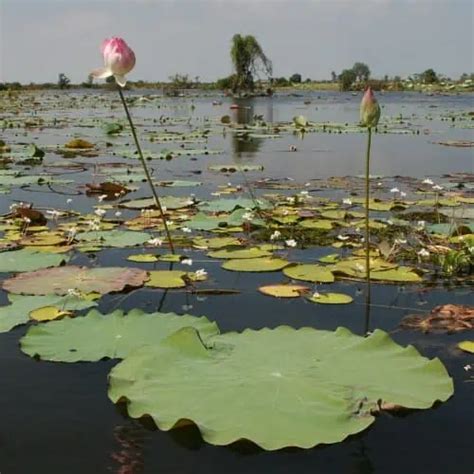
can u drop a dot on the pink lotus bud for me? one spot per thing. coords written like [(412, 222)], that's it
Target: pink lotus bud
[(369, 109), (119, 60)]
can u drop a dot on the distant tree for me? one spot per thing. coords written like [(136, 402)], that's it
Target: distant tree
[(347, 78), (429, 77), (63, 81), (361, 71), (333, 76), (296, 78), (226, 83), (247, 58), (280, 82)]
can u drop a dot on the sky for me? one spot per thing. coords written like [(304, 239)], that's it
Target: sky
[(41, 38)]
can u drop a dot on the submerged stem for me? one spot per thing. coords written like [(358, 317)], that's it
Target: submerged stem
[(367, 231), (147, 172)]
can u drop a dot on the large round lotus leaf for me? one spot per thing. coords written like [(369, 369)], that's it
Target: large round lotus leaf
[(25, 260), (18, 312), (276, 387), (83, 279), (253, 252), (114, 238), (166, 279), (309, 272), (263, 264), (283, 291), (215, 242), (330, 298), (114, 335)]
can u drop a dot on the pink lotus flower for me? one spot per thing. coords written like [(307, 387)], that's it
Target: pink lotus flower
[(119, 60), (369, 109)]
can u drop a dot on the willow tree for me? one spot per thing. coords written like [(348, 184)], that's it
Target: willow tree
[(248, 60)]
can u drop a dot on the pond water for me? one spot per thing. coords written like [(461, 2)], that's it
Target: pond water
[(57, 418)]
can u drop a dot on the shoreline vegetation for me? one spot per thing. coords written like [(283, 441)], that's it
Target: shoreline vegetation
[(263, 88)]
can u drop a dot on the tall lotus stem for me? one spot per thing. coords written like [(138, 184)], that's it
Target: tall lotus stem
[(369, 117), (147, 172), (119, 60)]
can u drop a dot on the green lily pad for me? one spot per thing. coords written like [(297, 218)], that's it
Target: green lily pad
[(25, 260), (316, 224), (114, 238), (170, 202), (262, 264), (228, 205), (283, 291), (252, 252), (467, 346), (114, 335), (60, 280), (330, 298), (18, 312), (309, 272), (276, 387), (143, 258)]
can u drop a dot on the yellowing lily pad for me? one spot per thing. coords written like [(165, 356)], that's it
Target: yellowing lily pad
[(166, 279), (467, 346), (330, 298), (283, 291), (48, 313), (263, 264)]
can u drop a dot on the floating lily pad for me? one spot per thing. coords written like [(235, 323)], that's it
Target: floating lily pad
[(114, 238), (114, 335), (25, 260), (283, 291), (309, 272), (276, 387), (18, 312), (48, 313), (166, 279), (143, 258), (330, 298), (83, 279), (215, 242), (467, 346), (263, 264), (252, 252)]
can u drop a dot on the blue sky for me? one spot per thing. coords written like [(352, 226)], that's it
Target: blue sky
[(40, 38)]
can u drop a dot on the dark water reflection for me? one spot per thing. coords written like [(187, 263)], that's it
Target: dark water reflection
[(56, 418)]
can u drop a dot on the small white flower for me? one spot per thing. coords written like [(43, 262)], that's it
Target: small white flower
[(201, 273), (304, 193), (423, 253), (156, 242), (290, 199), (118, 214), (13, 206), (307, 184), (68, 201), (186, 307), (360, 267), (437, 187), (402, 194), (102, 197), (100, 212), (394, 190), (316, 295), (169, 223), (27, 220), (379, 183), (347, 201), (73, 292), (275, 235), (291, 243), (420, 225), (187, 261), (71, 233), (467, 367), (248, 216), (428, 181), (229, 184), (215, 194), (343, 237), (389, 222), (186, 230), (400, 241)]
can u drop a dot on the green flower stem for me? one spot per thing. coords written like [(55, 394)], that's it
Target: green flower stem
[(147, 172), (367, 231)]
